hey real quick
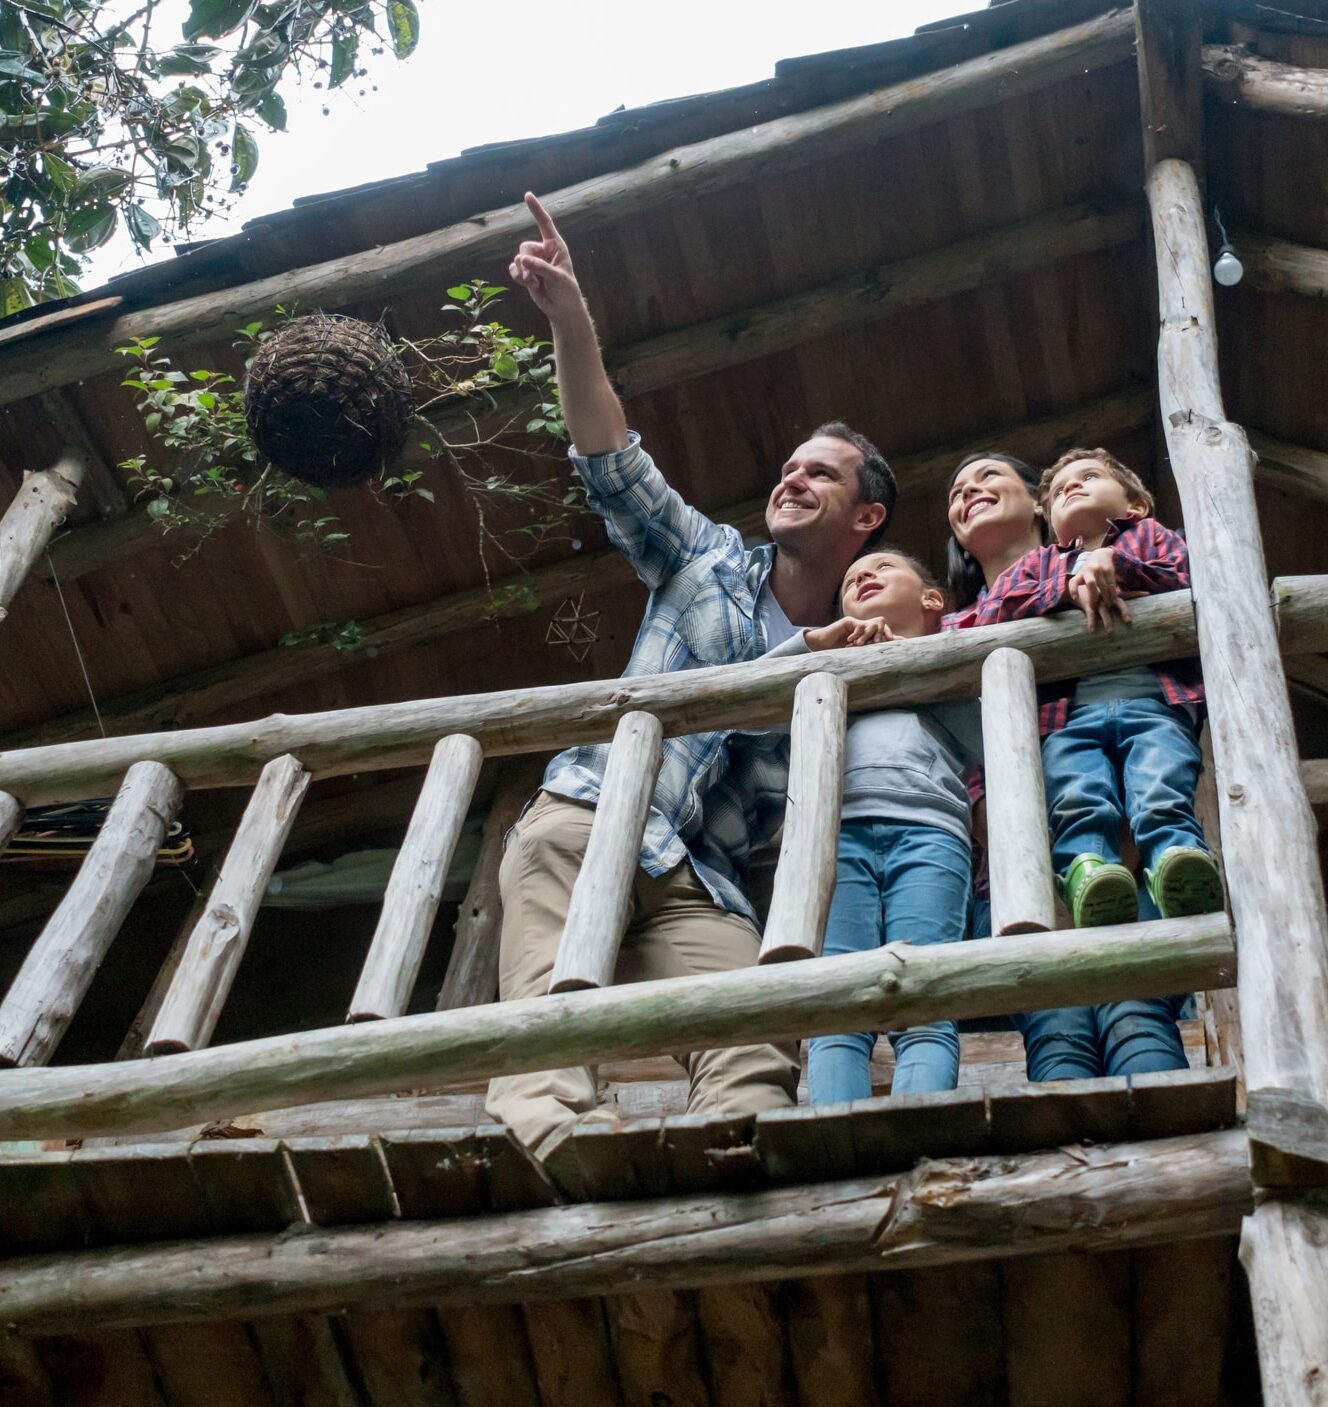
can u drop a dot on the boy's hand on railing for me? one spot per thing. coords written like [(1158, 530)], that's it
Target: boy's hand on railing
[(847, 631), (1093, 589), (543, 267)]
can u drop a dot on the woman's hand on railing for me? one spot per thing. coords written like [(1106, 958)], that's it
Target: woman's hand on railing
[(847, 631)]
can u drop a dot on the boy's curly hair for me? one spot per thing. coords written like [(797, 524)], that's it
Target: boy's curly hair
[(1122, 473)]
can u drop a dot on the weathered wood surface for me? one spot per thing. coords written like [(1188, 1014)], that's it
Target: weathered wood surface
[(601, 901), (1314, 775), (1233, 75), (472, 970), (805, 876), (869, 295), (1168, 36), (198, 991), (1182, 1313), (1275, 887), (61, 964), (1291, 468), (415, 889), (1023, 894), (893, 987), (136, 1037), (1275, 265), (11, 817), (42, 503), (941, 1212), (684, 173), (1284, 1250), (100, 483), (757, 694)]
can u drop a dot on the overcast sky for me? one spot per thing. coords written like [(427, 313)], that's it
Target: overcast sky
[(496, 73)]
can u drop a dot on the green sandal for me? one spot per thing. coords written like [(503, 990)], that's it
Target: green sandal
[(1099, 892), (1185, 880)]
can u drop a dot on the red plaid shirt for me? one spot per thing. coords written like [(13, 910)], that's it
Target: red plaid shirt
[(1147, 557)]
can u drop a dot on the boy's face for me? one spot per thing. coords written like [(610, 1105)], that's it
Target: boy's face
[(1084, 497), (883, 586)]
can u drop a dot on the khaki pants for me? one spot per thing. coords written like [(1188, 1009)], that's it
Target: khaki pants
[(675, 930)]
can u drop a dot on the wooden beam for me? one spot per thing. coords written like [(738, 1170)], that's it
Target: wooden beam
[(757, 694), (61, 964), (1168, 40), (1291, 468), (1023, 895), (410, 903), (946, 1211), (1274, 883), (206, 693), (1314, 776), (99, 480), (1234, 75), (601, 902), (1308, 676), (682, 174), (43, 501), (805, 874), (888, 989), (11, 817), (1278, 266)]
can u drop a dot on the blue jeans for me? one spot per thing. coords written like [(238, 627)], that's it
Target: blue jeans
[(896, 883)]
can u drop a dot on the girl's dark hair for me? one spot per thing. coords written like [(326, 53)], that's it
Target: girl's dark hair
[(963, 575)]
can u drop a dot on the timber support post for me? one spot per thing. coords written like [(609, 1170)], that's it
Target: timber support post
[(40, 506)]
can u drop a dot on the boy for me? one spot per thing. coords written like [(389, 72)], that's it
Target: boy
[(1124, 743), (904, 852)]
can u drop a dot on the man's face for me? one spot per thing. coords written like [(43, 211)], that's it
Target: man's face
[(818, 496), (1084, 497)]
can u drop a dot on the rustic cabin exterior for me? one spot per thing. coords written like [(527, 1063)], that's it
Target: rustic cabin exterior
[(245, 1158)]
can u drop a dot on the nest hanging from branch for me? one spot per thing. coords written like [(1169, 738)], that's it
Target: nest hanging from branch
[(328, 400)]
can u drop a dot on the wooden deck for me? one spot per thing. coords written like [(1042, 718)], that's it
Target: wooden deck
[(1138, 1325)]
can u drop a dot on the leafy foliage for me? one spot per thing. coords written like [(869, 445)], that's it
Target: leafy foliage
[(101, 125)]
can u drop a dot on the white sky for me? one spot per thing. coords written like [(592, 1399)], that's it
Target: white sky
[(502, 71)]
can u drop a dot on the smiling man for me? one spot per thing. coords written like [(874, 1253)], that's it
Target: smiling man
[(711, 602)]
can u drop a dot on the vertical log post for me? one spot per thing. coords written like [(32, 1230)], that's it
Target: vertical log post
[(59, 969), (805, 875), (193, 1005), (11, 817), (1023, 893), (472, 971), (602, 896), (415, 889), (40, 506)]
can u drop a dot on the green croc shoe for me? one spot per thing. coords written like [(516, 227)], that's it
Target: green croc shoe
[(1185, 880), (1099, 892)]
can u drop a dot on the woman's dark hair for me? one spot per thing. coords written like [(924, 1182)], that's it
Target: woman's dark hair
[(963, 575)]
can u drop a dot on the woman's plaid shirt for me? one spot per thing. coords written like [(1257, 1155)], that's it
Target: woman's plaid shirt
[(720, 793)]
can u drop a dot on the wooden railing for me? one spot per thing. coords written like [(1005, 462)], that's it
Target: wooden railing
[(587, 1020)]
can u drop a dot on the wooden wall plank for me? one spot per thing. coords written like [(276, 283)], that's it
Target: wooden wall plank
[(831, 1341), (207, 1365), (401, 1358), (657, 1346), (569, 1342), (746, 1347), (1182, 1317)]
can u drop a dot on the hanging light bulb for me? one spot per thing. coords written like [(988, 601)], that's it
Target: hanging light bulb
[(1227, 268)]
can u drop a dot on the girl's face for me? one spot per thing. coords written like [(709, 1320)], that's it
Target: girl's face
[(885, 586), (991, 509)]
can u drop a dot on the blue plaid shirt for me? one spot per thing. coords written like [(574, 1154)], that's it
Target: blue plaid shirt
[(719, 793)]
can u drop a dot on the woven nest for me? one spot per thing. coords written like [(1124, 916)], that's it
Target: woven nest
[(328, 400)]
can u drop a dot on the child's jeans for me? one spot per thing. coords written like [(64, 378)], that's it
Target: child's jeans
[(1135, 759), (896, 883)]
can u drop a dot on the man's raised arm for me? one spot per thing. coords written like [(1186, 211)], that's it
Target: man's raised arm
[(543, 267)]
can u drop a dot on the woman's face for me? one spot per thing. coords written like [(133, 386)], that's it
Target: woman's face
[(992, 510)]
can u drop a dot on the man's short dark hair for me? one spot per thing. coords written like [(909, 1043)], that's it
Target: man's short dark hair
[(876, 482)]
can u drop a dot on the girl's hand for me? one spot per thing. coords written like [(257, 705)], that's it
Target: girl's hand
[(1093, 589), (847, 631)]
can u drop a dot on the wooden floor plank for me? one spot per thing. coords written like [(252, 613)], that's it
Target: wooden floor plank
[(435, 1174), (746, 1348), (829, 1322), (400, 1357), (148, 1193), (1067, 1321), (41, 1203), (658, 1348), (569, 1343), (207, 1365), (938, 1337), (246, 1184), (342, 1179), (1182, 1317), (489, 1356)]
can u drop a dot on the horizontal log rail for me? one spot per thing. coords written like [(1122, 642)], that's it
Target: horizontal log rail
[(1275, 265), (896, 986), (754, 695), (1233, 75), (942, 1212), (687, 172)]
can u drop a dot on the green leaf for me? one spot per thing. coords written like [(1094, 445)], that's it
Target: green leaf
[(90, 227), (189, 59), (216, 18), (505, 365), (344, 48), (144, 227), (425, 494), (244, 157), (12, 66), (273, 111), (404, 26), (101, 182), (461, 292), (63, 176), (14, 296)]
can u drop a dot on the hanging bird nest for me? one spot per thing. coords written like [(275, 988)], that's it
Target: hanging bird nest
[(328, 400)]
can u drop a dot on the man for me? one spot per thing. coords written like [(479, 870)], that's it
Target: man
[(711, 602)]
